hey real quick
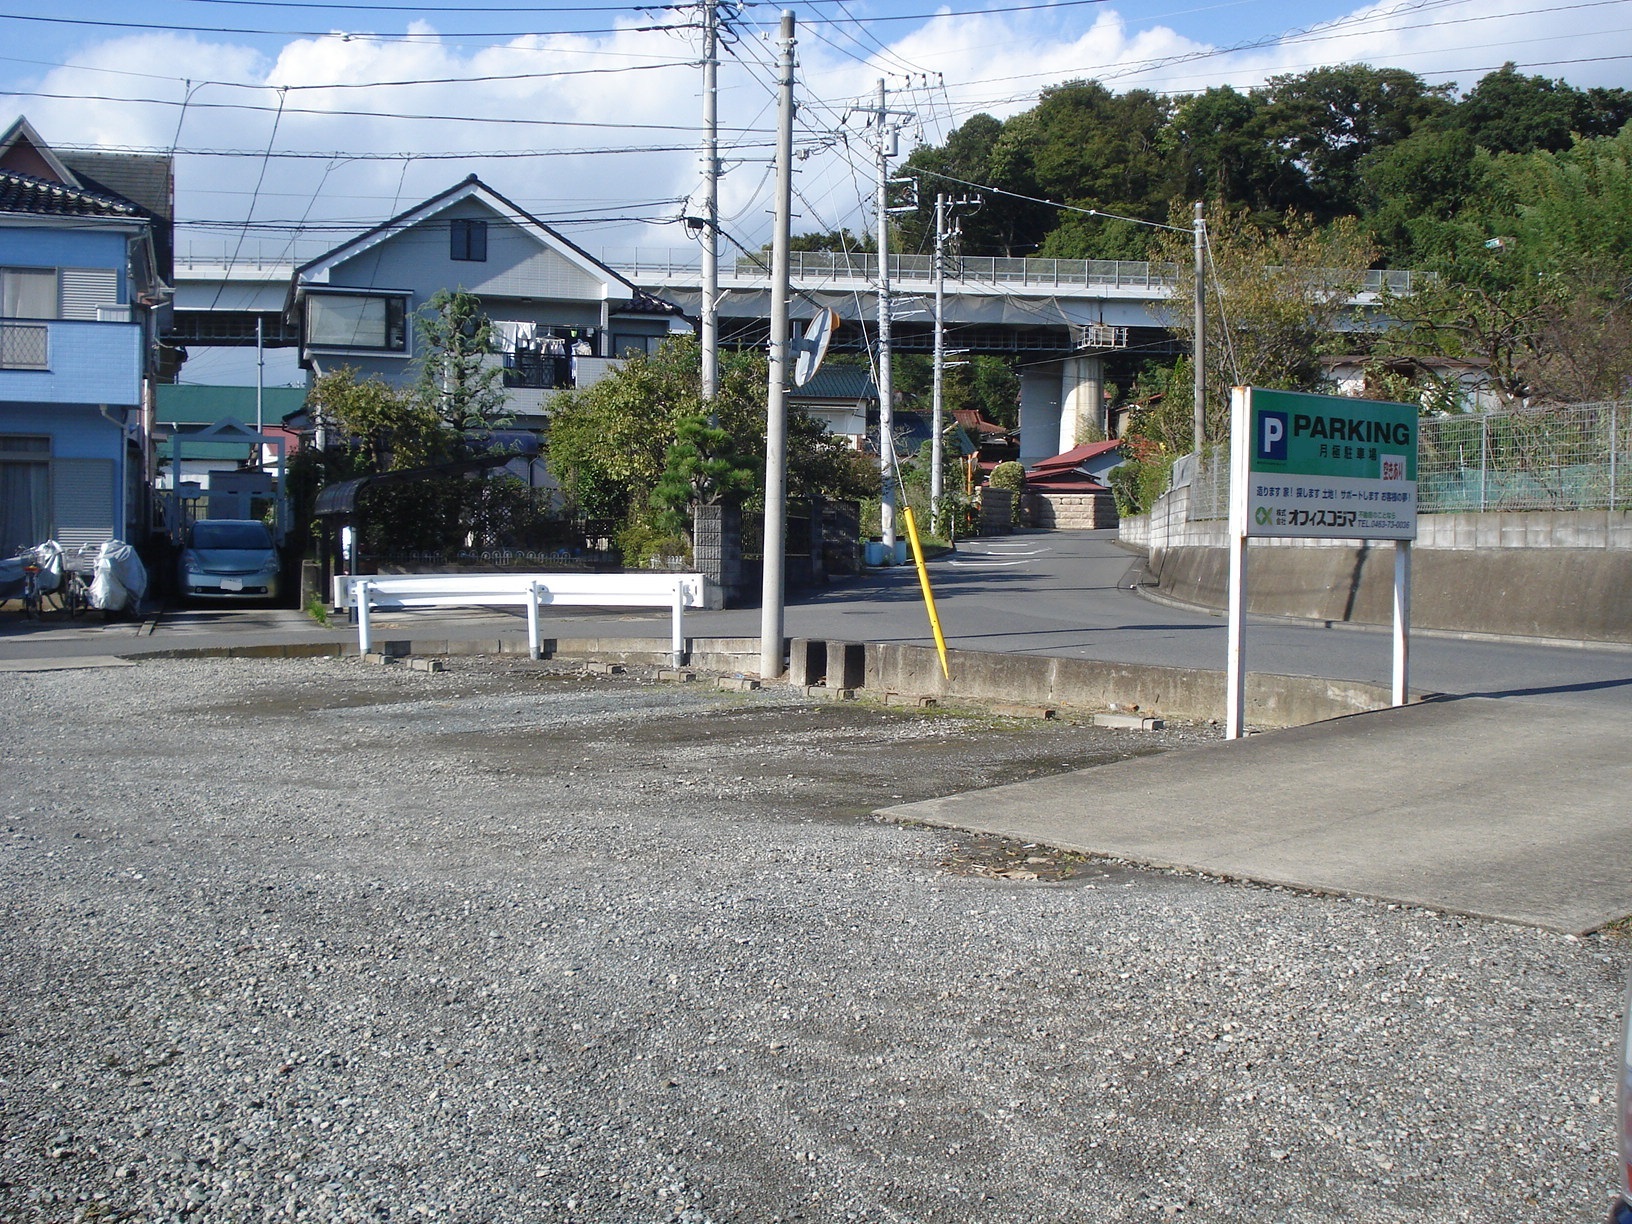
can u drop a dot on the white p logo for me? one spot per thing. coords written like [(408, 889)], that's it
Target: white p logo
[(1274, 431)]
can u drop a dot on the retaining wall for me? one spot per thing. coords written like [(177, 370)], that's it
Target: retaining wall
[(1188, 693), (1563, 575)]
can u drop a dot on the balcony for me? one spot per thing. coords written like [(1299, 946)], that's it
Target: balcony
[(63, 362)]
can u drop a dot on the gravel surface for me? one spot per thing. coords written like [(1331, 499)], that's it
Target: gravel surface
[(324, 941)]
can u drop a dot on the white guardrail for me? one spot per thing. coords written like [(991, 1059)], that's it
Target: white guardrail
[(371, 593)]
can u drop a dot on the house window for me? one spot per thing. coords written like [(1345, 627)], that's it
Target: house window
[(25, 491), (469, 240), (357, 321), (625, 344), (28, 293)]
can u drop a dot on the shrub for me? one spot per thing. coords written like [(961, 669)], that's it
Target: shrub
[(1009, 476)]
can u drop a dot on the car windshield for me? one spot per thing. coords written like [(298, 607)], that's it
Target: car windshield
[(231, 535)]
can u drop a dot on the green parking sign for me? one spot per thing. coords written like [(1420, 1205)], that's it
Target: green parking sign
[(1326, 466)]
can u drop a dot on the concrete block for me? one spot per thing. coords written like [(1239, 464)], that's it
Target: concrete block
[(807, 662), (681, 676), (604, 669), (1487, 530), (821, 692), (1128, 722), (920, 701), (1009, 710), (258, 652), (427, 665), (1618, 529), (846, 665), (381, 660), (738, 684)]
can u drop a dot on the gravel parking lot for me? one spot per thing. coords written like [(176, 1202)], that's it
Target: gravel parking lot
[(325, 941)]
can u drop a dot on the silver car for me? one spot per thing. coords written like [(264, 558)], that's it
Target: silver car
[(228, 559)]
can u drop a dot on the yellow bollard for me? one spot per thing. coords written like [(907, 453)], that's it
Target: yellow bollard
[(923, 581)]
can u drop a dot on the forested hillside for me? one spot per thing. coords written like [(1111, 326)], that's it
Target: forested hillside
[(1410, 160), (1515, 200)]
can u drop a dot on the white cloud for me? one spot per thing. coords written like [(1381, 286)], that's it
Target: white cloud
[(996, 63)]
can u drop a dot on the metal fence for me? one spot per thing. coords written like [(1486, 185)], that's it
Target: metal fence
[(1572, 458), (1538, 459)]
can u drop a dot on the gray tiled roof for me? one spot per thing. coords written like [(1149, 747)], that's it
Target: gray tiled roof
[(838, 382), (22, 193), (145, 179)]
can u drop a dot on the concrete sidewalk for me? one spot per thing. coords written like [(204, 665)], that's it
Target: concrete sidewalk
[(1516, 812)]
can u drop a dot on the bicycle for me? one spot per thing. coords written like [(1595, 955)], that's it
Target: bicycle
[(33, 600), (75, 592), (38, 573)]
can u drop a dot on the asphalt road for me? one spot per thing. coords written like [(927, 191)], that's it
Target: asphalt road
[(1067, 594), (1056, 593)]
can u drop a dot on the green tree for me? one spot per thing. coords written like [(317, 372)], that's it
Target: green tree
[(379, 426), (1213, 141), (458, 375), (702, 466), (1534, 286), (613, 444), (1274, 300), (1507, 112), (1321, 124)]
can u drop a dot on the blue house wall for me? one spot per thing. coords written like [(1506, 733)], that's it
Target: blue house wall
[(90, 363), (34, 246)]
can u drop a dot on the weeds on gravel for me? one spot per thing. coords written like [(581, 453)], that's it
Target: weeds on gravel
[(318, 611)]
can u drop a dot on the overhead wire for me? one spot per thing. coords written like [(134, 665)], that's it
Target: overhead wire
[(400, 116)]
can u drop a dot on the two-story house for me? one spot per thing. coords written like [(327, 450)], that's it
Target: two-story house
[(82, 286), (561, 318)]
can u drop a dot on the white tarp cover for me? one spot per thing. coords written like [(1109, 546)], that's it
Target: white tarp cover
[(121, 578)]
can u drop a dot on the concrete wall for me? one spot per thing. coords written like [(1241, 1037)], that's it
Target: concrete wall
[(1553, 574), (1192, 694)]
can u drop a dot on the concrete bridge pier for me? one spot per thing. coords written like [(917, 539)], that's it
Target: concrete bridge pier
[(1062, 404)]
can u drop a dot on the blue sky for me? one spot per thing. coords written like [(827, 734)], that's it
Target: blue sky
[(295, 125)]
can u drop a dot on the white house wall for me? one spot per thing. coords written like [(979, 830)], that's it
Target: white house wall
[(517, 266)]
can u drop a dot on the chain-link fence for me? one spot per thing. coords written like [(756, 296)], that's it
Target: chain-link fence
[(1538, 459), (1572, 458)]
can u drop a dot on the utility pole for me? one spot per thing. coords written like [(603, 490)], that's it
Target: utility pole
[(885, 131), (776, 410), (945, 211), (1198, 351), (711, 201)]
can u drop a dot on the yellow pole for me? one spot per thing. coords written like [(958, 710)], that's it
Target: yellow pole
[(923, 581)]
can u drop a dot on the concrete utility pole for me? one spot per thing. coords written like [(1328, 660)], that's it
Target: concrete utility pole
[(1198, 350), (936, 462), (711, 201), (945, 211), (886, 128), (776, 411)]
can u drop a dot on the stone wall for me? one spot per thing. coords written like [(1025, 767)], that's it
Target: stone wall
[(1069, 511)]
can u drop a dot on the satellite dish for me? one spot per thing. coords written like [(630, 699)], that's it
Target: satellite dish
[(813, 347)]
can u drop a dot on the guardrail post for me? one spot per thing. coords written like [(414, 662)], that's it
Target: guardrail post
[(362, 593), (535, 644), (677, 641)]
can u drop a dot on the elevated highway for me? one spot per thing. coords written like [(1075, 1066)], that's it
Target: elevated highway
[(1073, 322)]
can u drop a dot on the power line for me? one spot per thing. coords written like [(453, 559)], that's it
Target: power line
[(347, 36), (420, 155), (486, 121)]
